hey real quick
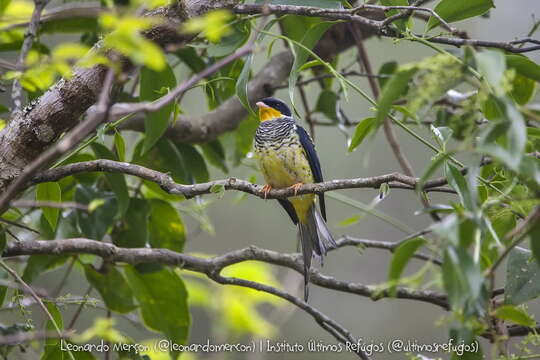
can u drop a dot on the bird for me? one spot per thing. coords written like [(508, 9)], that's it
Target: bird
[(287, 158)]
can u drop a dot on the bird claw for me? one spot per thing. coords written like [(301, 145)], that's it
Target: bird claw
[(266, 189), (297, 187)]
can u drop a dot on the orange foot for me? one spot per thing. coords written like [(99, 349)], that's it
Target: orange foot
[(297, 187), (266, 189)]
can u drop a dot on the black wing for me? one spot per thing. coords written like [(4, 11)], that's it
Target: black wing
[(314, 163)]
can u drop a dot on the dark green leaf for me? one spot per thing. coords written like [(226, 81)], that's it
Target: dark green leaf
[(463, 281), (455, 10), (112, 287), (363, 129), (386, 70), (190, 57), (214, 153), (402, 255), (534, 237), (231, 42), (70, 24), (522, 274), (117, 181), (194, 163), (3, 289), (132, 230), (514, 314), (295, 27), (39, 264), (244, 138), (165, 226), (327, 104), (310, 39), (95, 224), (524, 66), (49, 191), (162, 298), (163, 157), (394, 88), (152, 84)]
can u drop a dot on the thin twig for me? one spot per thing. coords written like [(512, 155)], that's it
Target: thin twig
[(32, 293)]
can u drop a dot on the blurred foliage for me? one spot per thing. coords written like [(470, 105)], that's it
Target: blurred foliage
[(476, 104)]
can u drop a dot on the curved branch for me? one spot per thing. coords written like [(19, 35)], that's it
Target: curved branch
[(211, 266), (167, 183)]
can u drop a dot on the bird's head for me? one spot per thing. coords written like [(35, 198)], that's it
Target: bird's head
[(272, 108)]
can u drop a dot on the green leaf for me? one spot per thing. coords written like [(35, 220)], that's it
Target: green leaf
[(522, 274), (534, 237), (39, 264), (163, 157), (240, 33), (387, 69), (492, 65), (243, 78), (524, 66), (71, 24), (402, 255), (52, 350), (162, 298), (132, 230), (310, 39), (295, 27), (327, 104), (514, 314), (456, 10), (120, 146), (326, 4), (214, 153), (244, 138), (116, 181), (152, 84), (49, 191), (457, 181), (96, 224), (3, 276), (506, 140), (394, 88), (463, 281), (401, 24), (166, 228), (523, 89), (112, 287), (363, 129), (194, 163)]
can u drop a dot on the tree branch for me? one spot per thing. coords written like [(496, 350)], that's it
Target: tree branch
[(189, 191), (212, 266)]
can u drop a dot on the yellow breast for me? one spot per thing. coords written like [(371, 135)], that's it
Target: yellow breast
[(285, 166)]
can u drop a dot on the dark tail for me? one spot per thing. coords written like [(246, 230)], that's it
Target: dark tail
[(315, 238)]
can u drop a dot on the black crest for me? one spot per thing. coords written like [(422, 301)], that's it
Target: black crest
[(278, 105)]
